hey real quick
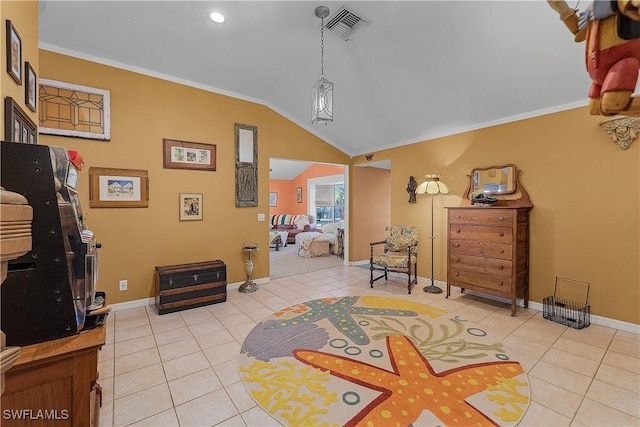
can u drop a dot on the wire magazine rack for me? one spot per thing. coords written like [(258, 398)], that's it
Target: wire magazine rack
[(566, 311)]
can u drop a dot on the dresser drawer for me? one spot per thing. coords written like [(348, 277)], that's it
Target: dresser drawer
[(481, 282), (481, 248), (481, 232), (487, 216), (499, 267)]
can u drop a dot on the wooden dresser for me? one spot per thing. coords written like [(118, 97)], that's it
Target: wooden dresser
[(488, 251), (488, 237)]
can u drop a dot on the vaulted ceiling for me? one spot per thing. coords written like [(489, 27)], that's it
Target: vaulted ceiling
[(419, 70)]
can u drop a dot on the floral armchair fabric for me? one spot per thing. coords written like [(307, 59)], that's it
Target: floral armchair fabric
[(400, 254)]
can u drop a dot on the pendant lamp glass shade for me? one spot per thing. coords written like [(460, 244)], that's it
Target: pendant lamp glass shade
[(322, 91)]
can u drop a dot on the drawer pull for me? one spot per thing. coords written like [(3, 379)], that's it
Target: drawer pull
[(457, 231), (501, 251), (501, 218), (501, 267), (457, 259), (170, 282), (457, 274), (457, 245), (195, 278), (501, 234)]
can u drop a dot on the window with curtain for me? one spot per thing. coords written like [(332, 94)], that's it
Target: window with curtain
[(329, 203)]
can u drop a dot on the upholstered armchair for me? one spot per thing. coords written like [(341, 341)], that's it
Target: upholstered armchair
[(400, 254)]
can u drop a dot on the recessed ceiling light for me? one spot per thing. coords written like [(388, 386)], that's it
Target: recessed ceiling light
[(217, 17)]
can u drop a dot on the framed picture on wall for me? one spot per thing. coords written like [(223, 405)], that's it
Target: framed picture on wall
[(18, 127), (188, 155), (118, 188), (299, 194), (30, 86), (273, 200), (14, 53), (191, 207)]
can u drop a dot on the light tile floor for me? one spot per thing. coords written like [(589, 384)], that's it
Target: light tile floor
[(180, 369)]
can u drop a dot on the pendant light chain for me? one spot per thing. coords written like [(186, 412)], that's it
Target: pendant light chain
[(322, 90), (322, 47)]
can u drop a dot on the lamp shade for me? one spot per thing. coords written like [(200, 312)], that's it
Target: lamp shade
[(432, 185)]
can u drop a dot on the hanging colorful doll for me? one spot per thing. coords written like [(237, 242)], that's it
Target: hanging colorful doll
[(612, 33)]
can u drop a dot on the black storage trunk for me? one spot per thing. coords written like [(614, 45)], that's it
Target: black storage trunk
[(184, 286)]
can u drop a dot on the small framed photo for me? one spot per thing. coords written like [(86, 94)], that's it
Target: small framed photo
[(14, 53), (118, 188), (299, 194), (189, 155), (191, 207), (30, 87), (273, 200)]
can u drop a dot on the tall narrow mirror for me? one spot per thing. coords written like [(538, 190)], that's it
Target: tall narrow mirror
[(246, 165)]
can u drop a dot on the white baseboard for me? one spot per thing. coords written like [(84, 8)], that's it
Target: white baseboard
[(151, 301), (596, 320)]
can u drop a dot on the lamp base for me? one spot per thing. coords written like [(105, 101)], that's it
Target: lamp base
[(248, 287), (432, 289)]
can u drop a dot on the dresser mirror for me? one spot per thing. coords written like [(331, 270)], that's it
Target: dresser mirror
[(494, 180), (501, 182)]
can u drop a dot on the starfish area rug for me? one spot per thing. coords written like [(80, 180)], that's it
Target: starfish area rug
[(377, 361)]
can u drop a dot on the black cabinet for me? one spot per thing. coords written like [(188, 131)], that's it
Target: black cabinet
[(184, 286)]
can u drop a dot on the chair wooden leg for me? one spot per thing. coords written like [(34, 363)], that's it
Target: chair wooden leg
[(371, 277)]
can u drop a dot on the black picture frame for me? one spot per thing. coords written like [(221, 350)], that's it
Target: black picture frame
[(18, 127), (14, 53), (30, 87)]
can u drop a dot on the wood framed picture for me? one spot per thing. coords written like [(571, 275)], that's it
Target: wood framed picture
[(30, 86), (14, 53), (188, 155), (299, 194), (118, 188), (18, 127), (273, 200), (191, 207)]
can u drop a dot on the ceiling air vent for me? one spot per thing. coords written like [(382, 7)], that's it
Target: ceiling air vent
[(344, 22)]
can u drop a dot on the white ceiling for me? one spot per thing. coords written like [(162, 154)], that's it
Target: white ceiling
[(420, 70)]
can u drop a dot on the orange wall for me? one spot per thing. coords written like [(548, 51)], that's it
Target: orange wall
[(286, 189), (286, 197), (585, 223), (371, 210)]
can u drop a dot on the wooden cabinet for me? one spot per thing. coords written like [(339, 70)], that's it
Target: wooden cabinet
[(183, 286), (54, 383), (488, 251)]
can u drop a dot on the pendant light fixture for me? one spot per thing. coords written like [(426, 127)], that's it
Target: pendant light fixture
[(322, 91)]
